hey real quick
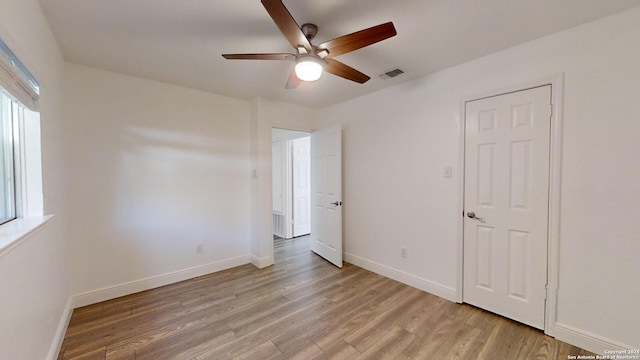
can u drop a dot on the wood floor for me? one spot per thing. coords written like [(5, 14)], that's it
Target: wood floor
[(300, 308)]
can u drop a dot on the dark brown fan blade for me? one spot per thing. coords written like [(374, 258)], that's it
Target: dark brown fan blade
[(293, 81), (359, 39), (273, 56), (337, 68), (287, 24)]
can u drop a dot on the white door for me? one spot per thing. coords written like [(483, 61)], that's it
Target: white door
[(506, 204), (326, 194), (301, 150)]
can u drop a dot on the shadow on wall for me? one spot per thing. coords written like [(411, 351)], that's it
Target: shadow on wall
[(156, 197)]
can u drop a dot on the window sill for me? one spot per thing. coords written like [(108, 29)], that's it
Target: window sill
[(13, 233)]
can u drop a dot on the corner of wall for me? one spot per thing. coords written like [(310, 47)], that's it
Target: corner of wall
[(63, 324), (261, 192), (262, 263)]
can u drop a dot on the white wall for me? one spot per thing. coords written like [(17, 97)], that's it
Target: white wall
[(33, 278), (157, 169), (396, 143), (287, 116)]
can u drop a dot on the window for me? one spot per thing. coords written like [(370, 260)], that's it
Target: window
[(8, 110), (21, 198), (19, 140), (16, 80)]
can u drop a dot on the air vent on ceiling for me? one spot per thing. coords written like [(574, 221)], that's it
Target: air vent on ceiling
[(390, 74)]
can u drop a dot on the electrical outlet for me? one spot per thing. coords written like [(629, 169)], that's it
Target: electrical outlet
[(448, 172), (198, 248), (403, 253)]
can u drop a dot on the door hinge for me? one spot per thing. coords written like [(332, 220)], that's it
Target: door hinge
[(546, 291)]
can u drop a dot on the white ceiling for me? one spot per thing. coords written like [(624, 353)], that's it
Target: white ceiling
[(181, 42)]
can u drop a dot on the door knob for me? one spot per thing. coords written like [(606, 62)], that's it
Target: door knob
[(472, 215), (337, 203)]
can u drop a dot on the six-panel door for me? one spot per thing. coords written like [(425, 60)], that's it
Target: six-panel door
[(506, 187), (326, 194)]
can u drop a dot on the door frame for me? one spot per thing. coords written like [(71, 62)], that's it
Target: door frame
[(555, 167)]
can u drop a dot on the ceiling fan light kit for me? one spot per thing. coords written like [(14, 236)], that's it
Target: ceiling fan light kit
[(308, 68), (312, 60)]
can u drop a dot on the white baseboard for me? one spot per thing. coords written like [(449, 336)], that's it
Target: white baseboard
[(262, 262), (586, 340), (403, 277), (132, 287), (56, 344)]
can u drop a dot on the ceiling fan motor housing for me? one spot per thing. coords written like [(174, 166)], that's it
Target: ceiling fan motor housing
[(309, 30)]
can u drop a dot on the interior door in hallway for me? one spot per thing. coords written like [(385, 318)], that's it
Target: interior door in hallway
[(301, 183), (326, 194), (506, 204)]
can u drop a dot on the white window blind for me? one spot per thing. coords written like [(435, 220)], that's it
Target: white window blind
[(16, 79)]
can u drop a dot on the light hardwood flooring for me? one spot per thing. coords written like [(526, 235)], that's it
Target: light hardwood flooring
[(300, 308)]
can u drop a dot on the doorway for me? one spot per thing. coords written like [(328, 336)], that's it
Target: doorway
[(291, 183), (506, 203)]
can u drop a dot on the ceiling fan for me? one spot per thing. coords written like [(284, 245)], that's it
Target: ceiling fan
[(311, 59)]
